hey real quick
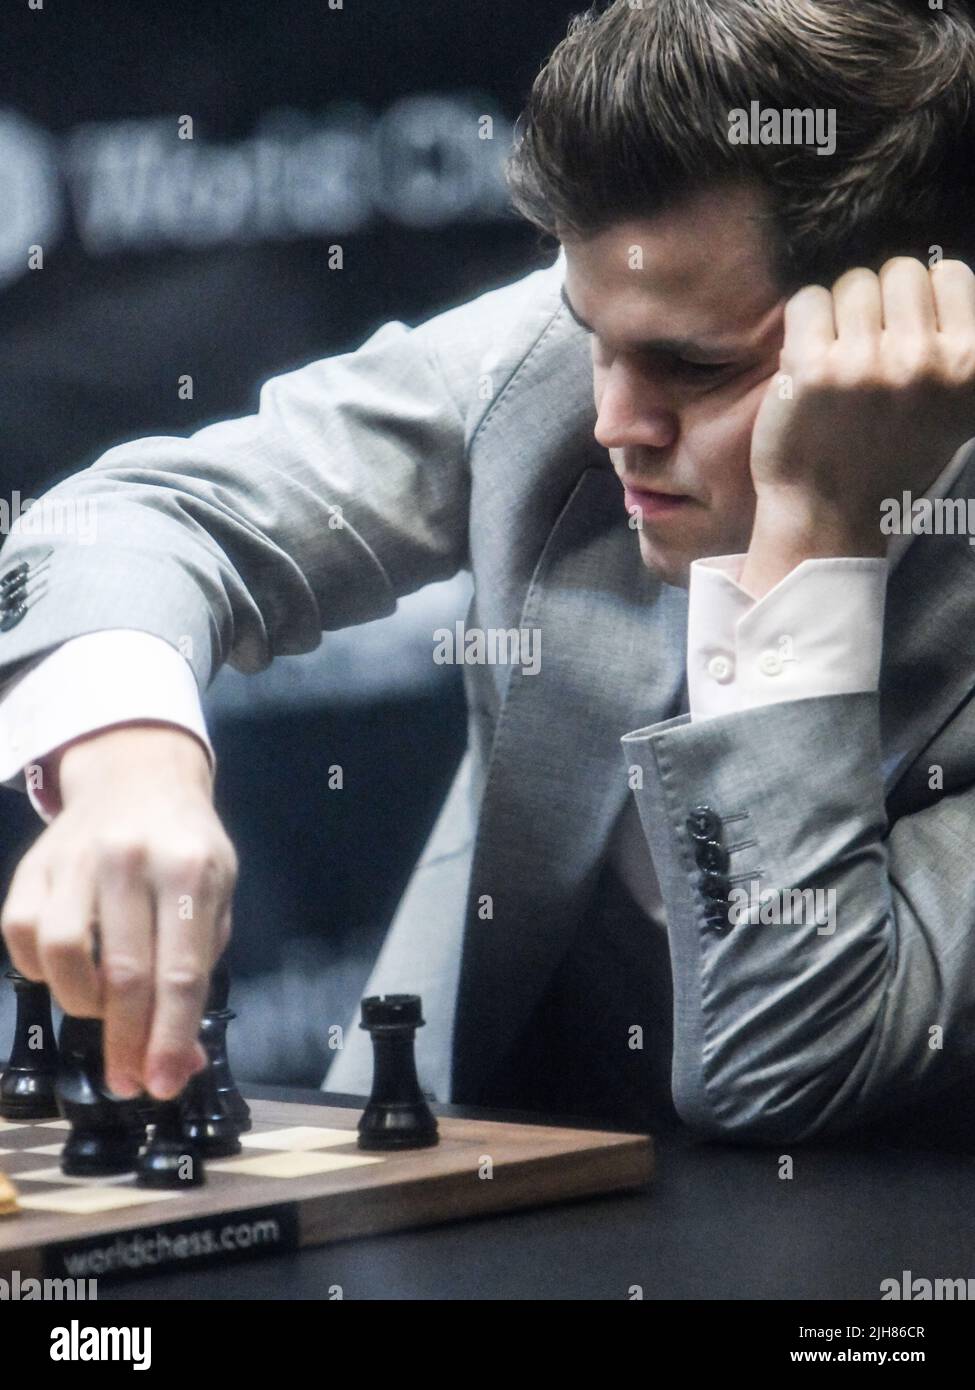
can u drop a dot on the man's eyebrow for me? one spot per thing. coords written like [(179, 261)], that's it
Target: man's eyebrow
[(673, 347)]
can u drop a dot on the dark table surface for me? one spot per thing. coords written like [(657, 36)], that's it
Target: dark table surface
[(719, 1222)]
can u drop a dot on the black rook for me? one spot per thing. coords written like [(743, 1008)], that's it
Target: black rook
[(397, 1115)]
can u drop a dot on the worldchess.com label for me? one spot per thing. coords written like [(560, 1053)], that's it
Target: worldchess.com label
[(153, 1250)]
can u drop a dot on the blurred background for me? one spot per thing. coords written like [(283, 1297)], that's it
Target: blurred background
[(212, 258)]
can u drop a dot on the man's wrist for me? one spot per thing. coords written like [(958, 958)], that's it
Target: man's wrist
[(136, 748), (791, 527)]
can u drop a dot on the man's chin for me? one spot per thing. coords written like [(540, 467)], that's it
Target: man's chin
[(672, 562), (671, 565)]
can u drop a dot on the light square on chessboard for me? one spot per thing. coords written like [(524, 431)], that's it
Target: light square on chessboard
[(43, 1149), (298, 1138), (89, 1201), (290, 1165), (55, 1175)]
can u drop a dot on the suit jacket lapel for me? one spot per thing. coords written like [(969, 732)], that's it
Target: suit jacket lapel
[(613, 640)]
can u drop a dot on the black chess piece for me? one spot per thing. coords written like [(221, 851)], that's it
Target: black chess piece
[(207, 1117), (397, 1115), (213, 1036), (149, 1108), (106, 1133), (27, 1084), (170, 1160), (205, 1120)]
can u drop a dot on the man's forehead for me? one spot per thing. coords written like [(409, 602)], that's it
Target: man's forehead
[(689, 272)]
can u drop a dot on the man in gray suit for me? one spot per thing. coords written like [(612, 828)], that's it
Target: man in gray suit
[(709, 848)]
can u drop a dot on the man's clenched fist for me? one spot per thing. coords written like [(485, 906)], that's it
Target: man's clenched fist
[(876, 392), (138, 850)]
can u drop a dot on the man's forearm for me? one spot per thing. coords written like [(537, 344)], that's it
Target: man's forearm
[(786, 1028)]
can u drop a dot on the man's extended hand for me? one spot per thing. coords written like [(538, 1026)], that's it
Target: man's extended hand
[(875, 393), (137, 848)]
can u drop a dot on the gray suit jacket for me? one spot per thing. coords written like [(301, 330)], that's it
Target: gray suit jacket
[(467, 442)]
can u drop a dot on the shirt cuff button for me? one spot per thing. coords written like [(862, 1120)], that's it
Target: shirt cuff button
[(721, 669)]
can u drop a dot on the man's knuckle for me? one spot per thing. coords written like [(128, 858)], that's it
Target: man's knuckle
[(169, 1055), (121, 854), (959, 367), (65, 950), (900, 266), (19, 927), (198, 864), (186, 980), (951, 269), (124, 973), (860, 277)]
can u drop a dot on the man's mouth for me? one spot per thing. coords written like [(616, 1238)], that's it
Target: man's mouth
[(651, 502)]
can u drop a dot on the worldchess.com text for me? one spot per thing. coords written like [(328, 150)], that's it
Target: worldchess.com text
[(147, 1249)]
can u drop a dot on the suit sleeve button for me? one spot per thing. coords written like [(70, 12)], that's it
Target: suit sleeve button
[(12, 616), (715, 885), (712, 857), (14, 576), (703, 824)]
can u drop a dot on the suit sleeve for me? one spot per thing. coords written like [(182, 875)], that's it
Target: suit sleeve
[(824, 960), (346, 489)]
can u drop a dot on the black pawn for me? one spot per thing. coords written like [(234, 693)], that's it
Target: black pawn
[(27, 1085), (170, 1160), (397, 1115), (213, 1036), (106, 1133)]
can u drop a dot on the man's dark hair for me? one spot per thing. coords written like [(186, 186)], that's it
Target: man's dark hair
[(632, 111)]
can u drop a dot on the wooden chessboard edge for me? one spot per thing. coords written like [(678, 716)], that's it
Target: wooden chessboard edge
[(561, 1165), (540, 1181)]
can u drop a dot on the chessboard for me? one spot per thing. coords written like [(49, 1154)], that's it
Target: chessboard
[(299, 1181)]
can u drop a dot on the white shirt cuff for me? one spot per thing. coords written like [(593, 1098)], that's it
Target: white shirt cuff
[(89, 683), (819, 631)]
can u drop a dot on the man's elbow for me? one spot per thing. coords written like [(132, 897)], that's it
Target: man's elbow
[(749, 1113)]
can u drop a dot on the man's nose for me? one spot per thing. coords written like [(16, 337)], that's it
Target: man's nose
[(631, 412)]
